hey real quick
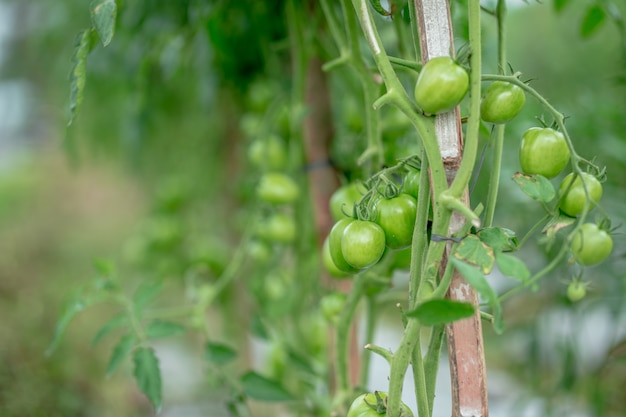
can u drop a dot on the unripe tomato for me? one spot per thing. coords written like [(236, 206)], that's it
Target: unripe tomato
[(332, 305), (369, 405), (411, 184), (343, 200), (277, 188), (576, 291), (334, 245), (259, 250), (362, 243), (591, 245), (501, 102), (573, 198), (279, 227), (441, 85), (543, 151), (268, 153), (329, 264), (397, 218)]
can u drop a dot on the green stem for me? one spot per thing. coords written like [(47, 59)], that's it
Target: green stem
[(431, 363), (420, 378), (371, 315), (342, 371)]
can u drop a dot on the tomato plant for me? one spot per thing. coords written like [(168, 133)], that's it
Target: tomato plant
[(573, 196), (543, 151), (362, 243), (373, 404), (501, 102), (441, 85), (591, 245), (396, 216)]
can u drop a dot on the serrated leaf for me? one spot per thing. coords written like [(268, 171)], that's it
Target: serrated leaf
[(475, 252), (477, 280), (78, 72), (219, 353), (115, 323), (70, 311), (594, 17), (120, 352), (103, 15), (499, 238), (557, 223), (560, 5), (536, 187), (148, 375), (512, 266), (146, 293), (437, 312), (261, 388), (159, 328)]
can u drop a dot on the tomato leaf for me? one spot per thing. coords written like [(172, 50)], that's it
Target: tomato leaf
[(75, 306), (512, 266), (120, 352), (436, 312), (499, 238), (557, 223), (159, 328), (148, 375), (536, 187), (219, 353), (78, 73), (146, 293), (116, 322), (477, 280), (475, 252), (592, 21), (103, 15), (261, 388)]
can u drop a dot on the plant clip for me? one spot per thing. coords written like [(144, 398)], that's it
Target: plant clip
[(439, 238), (315, 165)]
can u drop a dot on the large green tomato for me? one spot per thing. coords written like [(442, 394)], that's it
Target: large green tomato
[(374, 404), (543, 151), (501, 102), (397, 218), (362, 243), (277, 188), (334, 245), (441, 85), (591, 245), (343, 199), (572, 193)]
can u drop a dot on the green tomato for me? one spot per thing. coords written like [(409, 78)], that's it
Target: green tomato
[(278, 227), (277, 188), (576, 291), (259, 250), (411, 184), (334, 245), (268, 154), (591, 245), (343, 199), (572, 193), (501, 102), (397, 218), (332, 305), (441, 85), (362, 243), (329, 264), (543, 151), (374, 405)]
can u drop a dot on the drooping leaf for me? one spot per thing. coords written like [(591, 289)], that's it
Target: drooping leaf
[(475, 252), (557, 223), (78, 72), (70, 311), (159, 328), (512, 266), (499, 238), (261, 388), (146, 293), (594, 17), (477, 280), (219, 353), (120, 352), (103, 15), (115, 323), (148, 375), (536, 187), (437, 312)]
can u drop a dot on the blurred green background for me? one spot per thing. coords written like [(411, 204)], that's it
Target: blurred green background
[(160, 124)]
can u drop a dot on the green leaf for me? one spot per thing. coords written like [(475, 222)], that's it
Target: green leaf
[(219, 353), (475, 252), (116, 322), (120, 352), (592, 21), (557, 223), (103, 15), (499, 238), (74, 307), (477, 280), (536, 187), (436, 312), (261, 388), (146, 293), (78, 73), (148, 375), (512, 266), (159, 328), (560, 4)]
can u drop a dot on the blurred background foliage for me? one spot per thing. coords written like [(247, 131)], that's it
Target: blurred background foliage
[(153, 174)]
